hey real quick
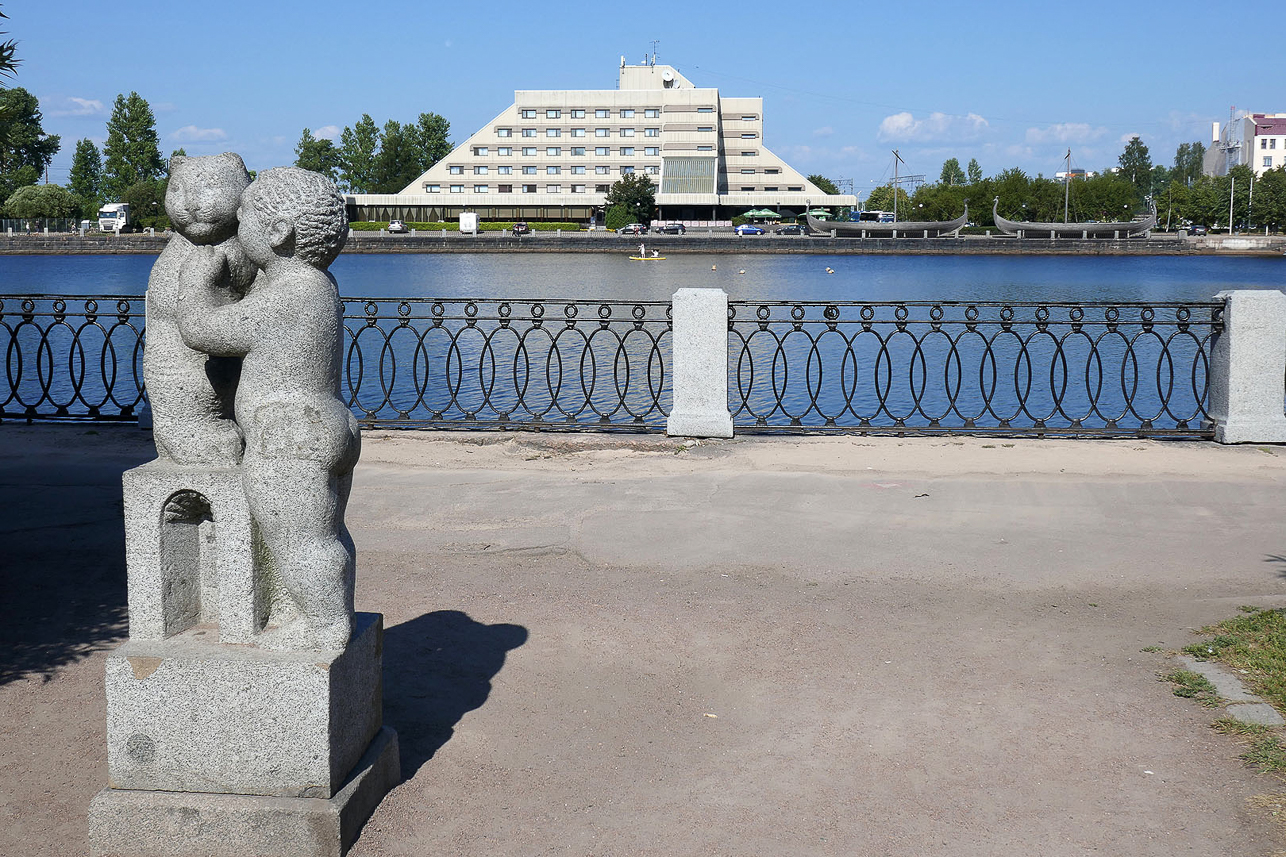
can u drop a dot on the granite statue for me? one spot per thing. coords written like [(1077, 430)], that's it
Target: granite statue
[(191, 393)]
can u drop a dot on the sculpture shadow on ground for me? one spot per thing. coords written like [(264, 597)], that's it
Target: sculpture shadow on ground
[(1280, 561), (62, 567), (438, 667)]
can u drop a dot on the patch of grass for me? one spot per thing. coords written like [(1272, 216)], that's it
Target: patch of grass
[(1254, 644), (1152, 649), (1265, 752), (1192, 685)]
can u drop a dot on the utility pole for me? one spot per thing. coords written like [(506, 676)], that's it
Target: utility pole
[(897, 185), (1067, 184), (1231, 190)]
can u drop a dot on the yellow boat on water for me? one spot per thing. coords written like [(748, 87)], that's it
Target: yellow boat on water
[(647, 258)]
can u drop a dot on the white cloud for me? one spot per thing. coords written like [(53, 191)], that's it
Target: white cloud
[(1064, 132), (824, 131), (164, 107), (1125, 138), (327, 132), (193, 134), (904, 127), (81, 107)]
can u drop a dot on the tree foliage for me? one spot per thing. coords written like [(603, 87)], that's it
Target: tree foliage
[(1188, 161), (8, 54), (636, 193), (951, 172), (370, 159), (147, 203), (41, 202), (318, 155), (25, 148), (824, 184), (86, 176), (881, 199), (1136, 165), (357, 148), (975, 171), (132, 153)]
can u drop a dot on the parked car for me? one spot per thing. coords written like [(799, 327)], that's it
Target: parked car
[(1198, 230), (670, 229), (397, 226), (748, 229), (632, 229), (521, 228), (789, 229)]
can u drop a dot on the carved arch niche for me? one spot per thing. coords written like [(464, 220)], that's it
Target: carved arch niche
[(189, 570)]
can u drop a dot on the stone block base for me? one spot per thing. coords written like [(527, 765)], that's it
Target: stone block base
[(711, 424), (137, 823)]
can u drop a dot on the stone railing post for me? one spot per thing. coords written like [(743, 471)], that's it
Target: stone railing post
[(700, 365), (1247, 366)]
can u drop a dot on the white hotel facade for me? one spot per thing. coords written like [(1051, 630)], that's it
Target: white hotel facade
[(552, 155)]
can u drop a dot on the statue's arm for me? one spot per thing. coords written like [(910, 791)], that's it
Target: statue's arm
[(227, 330)]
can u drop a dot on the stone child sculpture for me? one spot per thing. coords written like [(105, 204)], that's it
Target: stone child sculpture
[(191, 393), (301, 441)]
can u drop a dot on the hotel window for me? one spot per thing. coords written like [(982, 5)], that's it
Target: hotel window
[(652, 151), (578, 188), (652, 170), (505, 171), (529, 188), (750, 154), (627, 132), (504, 188), (602, 188), (553, 114), (601, 113), (457, 188), (554, 151), (433, 188), (529, 114), (749, 117), (772, 171), (626, 170), (749, 135), (767, 189), (705, 109), (578, 151), (456, 171), (748, 172), (1263, 142), (602, 132), (529, 132), (627, 113), (651, 132), (1268, 161), (479, 171), (602, 171), (578, 114), (480, 151), (705, 128), (553, 171), (553, 132), (1272, 144), (602, 151), (578, 171), (705, 148), (529, 151), (800, 188), (504, 151), (627, 151), (529, 171), (481, 188), (504, 132), (553, 188), (652, 113), (578, 132), (743, 187)]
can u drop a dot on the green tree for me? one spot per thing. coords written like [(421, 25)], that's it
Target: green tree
[(1136, 165), (147, 203), (318, 155), (396, 162), (975, 171), (357, 148), (616, 217), (824, 184), (41, 202), (1270, 199), (951, 172), (881, 199), (86, 177), (636, 193), (8, 54), (25, 148), (431, 135), (132, 153), (1189, 160)]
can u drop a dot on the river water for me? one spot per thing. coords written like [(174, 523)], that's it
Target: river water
[(742, 276)]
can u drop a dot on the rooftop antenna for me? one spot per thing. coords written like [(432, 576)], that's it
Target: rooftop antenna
[(655, 42)]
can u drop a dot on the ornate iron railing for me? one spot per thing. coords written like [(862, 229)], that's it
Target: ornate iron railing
[(936, 368), (444, 363)]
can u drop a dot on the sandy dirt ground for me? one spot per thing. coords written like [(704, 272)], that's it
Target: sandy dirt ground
[(631, 645)]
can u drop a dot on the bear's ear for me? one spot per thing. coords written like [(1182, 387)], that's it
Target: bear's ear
[(176, 161), (238, 166)]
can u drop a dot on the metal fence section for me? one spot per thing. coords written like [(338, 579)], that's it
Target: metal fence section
[(576, 364), (1077, 369), (72, 358)]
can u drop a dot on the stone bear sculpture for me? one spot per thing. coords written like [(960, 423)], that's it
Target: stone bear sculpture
[(192, 393)]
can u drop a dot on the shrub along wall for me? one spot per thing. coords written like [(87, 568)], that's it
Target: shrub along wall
[(499, 226)]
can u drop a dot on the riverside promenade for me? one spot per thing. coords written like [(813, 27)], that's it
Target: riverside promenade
[(634, 645)]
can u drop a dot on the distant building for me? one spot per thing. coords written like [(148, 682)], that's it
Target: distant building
[(553, 154), (1075, 173), (1256, 140)]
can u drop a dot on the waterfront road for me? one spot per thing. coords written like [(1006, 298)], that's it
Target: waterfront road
[(632, 645)]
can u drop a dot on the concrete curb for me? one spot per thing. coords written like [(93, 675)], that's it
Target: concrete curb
[(1241, 704)]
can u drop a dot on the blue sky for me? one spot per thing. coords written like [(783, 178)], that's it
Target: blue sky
[(1011, 84)]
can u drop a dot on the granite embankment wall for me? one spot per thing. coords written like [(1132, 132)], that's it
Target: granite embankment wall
[(695, 242)]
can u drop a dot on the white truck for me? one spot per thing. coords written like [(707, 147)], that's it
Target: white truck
[(468, 223), (114, 217)]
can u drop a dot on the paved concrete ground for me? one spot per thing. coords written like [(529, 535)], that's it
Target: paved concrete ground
[(633, 646)]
